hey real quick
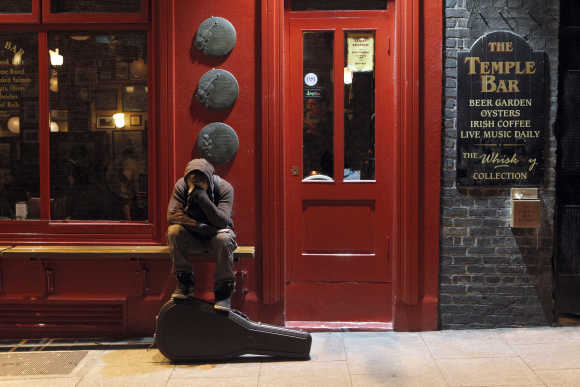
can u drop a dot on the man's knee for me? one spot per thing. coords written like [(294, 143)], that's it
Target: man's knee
[(224, 240), (175, 232)]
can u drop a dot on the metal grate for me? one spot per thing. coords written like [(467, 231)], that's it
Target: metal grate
[(55, 344), (62, 315), (39, 363)]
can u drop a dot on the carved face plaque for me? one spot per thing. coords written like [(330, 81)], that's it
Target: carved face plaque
[(217, 89), (215, 36), (218, 143)]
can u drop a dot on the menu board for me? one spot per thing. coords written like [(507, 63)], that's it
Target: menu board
[(501, 112), (18, 74)]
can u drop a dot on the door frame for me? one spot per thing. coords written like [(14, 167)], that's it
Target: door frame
[(417, 47)]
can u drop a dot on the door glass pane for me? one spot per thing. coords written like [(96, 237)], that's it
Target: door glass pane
[(16, 6), (318, 108), (19, 166), (95, 6), (98, 124), (359, 105), (307, 5)]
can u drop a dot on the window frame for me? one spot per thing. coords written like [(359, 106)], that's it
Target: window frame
[(50, 17), (17, 18), (46, 230)]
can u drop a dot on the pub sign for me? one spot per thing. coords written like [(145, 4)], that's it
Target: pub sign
[(501, 112)]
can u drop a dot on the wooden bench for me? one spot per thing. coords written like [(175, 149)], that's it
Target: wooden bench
[(104, 252), (140, 254)]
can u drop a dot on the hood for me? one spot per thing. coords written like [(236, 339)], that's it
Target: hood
[(204, 167)]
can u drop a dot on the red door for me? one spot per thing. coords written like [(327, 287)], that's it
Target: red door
[(340, 147)]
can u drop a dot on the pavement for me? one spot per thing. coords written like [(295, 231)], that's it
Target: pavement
[(542, 356)]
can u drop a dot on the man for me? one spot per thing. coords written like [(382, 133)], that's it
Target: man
[(200, 219)]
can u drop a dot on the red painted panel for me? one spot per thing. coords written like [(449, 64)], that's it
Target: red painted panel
[(355, 234), (21, 278), (190, 116), (339, 302)]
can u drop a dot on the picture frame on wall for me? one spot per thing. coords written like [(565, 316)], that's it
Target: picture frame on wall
[(106, 70), (30, 136), (136, 120), (59, 114), (105, 122), (121, 71), (5, 156), (126, 140), (134, 98), (106, 99)]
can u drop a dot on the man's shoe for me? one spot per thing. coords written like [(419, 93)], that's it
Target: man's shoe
[(185, 286), (223, 304), (223, 294)]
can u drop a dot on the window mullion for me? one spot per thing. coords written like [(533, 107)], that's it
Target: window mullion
[(44, 134)]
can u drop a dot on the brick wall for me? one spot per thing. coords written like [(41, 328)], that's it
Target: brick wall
[(492, 275)]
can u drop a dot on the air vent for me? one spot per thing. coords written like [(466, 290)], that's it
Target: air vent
[(78, 315)]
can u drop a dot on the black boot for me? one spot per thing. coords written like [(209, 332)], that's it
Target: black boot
[(185, 285), (223, 294)]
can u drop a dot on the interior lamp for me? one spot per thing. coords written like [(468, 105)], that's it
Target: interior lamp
[(119, 120), (347, 76), (55, 58), (54, 128), (14, 125)]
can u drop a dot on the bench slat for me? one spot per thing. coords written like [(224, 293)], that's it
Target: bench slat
[(160, 252)]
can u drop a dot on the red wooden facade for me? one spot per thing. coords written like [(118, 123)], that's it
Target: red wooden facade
[(405, 200)]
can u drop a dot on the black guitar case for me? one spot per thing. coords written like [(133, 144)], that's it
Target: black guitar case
[(192, 330)]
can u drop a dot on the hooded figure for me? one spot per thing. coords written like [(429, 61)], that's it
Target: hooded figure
[(200, 220)]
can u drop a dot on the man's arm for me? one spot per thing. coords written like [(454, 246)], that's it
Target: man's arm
[(176, 213), (219, 216)]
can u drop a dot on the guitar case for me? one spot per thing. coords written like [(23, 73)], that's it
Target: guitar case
[(192, 330)]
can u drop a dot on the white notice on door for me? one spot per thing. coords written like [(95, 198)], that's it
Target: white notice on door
[(361, 51)]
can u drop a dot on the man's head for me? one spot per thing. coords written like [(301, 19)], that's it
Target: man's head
[(197, 179)]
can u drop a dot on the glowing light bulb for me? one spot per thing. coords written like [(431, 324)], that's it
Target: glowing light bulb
[(119, 120), (55, 58)]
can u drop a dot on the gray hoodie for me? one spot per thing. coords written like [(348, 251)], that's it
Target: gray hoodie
[(202, 212)]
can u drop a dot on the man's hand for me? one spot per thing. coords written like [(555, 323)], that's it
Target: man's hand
[(206, 230)]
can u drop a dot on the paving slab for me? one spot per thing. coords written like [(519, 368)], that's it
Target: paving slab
[(467, 344), (493, 371), (305, 374)]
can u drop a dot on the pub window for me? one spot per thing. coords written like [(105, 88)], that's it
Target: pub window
[(329, 5), (16, 6), (87, 6), (95, 103)]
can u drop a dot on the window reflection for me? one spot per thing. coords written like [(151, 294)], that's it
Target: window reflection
[(16, 6), (19, 167), (307, 5), (318, 105), (95, 6), (98, 124), (359, 106)]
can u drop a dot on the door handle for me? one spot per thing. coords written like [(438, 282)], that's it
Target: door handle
[(294, 170)]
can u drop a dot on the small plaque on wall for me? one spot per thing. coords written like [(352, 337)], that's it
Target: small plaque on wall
[(501, 112)]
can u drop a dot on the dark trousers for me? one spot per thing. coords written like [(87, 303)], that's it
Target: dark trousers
[(183, 244)]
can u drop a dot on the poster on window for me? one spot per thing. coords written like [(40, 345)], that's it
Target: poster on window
[(361, 51)]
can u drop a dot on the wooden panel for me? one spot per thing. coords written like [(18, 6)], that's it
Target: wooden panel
[(339, 302), (338, 226)]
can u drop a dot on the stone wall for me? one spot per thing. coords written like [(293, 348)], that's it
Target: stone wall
[(490, 274)]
